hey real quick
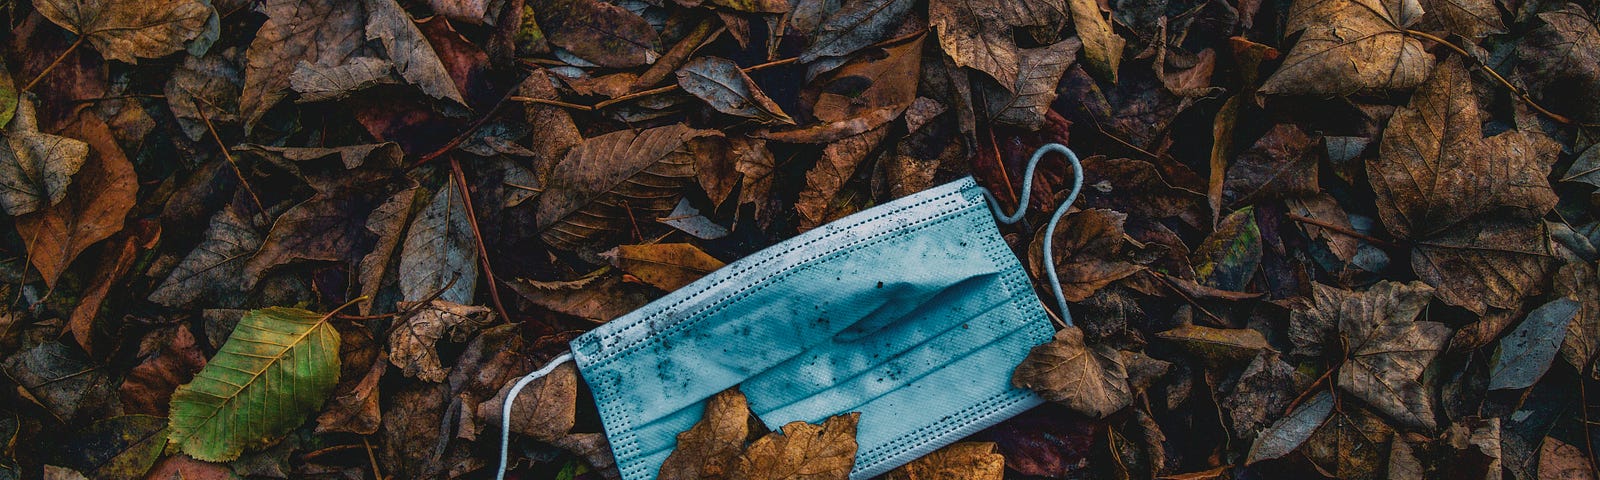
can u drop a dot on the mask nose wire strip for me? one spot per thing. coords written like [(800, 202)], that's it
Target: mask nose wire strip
[(1050, 228), (511, 397)]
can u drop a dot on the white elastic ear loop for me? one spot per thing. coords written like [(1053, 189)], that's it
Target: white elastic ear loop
[(1050, 228), (511, 397)]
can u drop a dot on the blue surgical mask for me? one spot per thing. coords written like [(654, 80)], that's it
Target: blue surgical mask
[(913, 313)]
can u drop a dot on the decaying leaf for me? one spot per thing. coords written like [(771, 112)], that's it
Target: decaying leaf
[(1229, 257), (667, 266), (118, 448), (544, 408), (414, 59), (967, 460), (1385, 357), (720, 83), (1473, 19), (321, 33), (215, 268), (979, 35), (1582, 338), (411, 344), (59, 378), (1349, 46), (1263, 393), (439, 255), (711, 448), (128, 31), (818, 203), (35, 168), (1486, 264), (1102, 48), (1560, 460), (277, 367), (597, 31), (1315, 330), (1349, 444), (802, 451), (1559, 56), (597, 297), (853, 26), (601, 181), (1026, 103), (323, 83), (1525, 354), (1218, 345), (1088, 252), (101, 194), (1088, 379)]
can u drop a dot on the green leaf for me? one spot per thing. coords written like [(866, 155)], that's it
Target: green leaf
[(277, 367)]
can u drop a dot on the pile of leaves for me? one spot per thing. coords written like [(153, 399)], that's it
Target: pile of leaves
[(320, 238)]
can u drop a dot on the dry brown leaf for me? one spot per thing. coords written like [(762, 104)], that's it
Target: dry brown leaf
[(818, 203), (978, 35), (1561, 461), (605, 180), (1218, 346), (1386, 349), (1349, 46), (1102, 48), (320, 33), (667, 266), (802, 451), (1026, 103), (1578, 281), (35, 168), (1088, 252), (1472, 19), (101, 194), (870, 83), (959, 461), (597, 297), (710, 448), (411, 343), (545, 409), (597, 31), (1484, 264), (1089, 379), (720, 83), (128, 31)]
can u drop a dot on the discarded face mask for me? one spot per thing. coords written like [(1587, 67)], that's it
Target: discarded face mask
[(913, 313)]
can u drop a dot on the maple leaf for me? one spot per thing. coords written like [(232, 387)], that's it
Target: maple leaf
[(978, 34), (127, 31), (1349, 46), (1088, 379), (1386, 349), (802, 451), (710, 448)]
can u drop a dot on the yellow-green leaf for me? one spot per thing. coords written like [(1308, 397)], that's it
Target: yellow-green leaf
[(277, 367)]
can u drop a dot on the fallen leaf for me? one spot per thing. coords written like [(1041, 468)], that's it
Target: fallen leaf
[(1088, 379), (1314, 330), (687, 219), (1403, 464), (320, 33), (215, 268), (1582, 341), (388, 222), (1264, 392), (1485, 264), (1473, 19), (1525, 354), (1218, 345), (102, 193), (1349, 444), (206, 88), (711, 448), (1560, 56), (1230, 256), (470, 11), (1350, 46), (1136, 444), (1435, 170), (818, 203), (667, 266), (52, 472), (60, 379), (325, 83), (1558, 460), (1385, 356), (966, 460), (853, 26), (8, 95), (979, 35), (599, 32), (414, 59), (1088, 252), (354, 407), (439, 256), (1025, 104), (720, 83), (802, 451), (412, 342), (597, 297), (1281, 164), (279, 365), (868, 90), (599, 184), (35, 168), (181, 467), (170, 357), (545, 407), (1102, 48), (127, 31), (123, 447)]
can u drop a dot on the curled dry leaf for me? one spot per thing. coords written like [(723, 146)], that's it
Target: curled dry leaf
[(1088, 379), (128, 31), (412, 342), (978, 35), (1349, 46), (35, 168), (1088, 252), (667, 266), (720, 83), (597, 297), (545, 409), (710, 448), (802, 451)]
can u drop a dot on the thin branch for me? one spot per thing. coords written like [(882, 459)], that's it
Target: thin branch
[(1496, 75), (462, 137), (1340, 229), (261, 209), (483, 252), (557, 103), (52, 65)]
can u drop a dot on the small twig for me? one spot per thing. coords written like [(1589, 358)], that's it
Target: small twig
[(462, 137), (1507, 83), (1309, 390), (376, 473), (1218, 321), (261, 209), (558, 103), (1347, 231), (52, 65), (483, 252)]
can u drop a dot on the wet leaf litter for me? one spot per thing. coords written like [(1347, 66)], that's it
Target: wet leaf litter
[(319, 239)]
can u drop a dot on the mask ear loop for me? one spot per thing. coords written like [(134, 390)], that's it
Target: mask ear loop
[(511, 398), (1050, 228)]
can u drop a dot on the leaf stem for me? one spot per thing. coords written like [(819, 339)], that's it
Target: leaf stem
[(53, 63), (477, 237), (1496, 75)]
